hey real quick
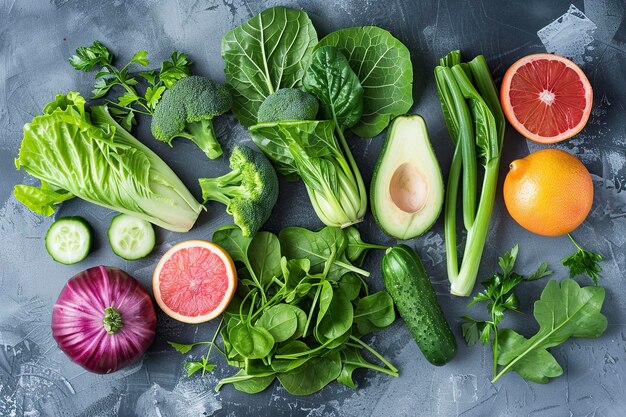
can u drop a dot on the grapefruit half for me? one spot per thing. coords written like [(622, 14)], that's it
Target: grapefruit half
[(194, 281), (547, 98)]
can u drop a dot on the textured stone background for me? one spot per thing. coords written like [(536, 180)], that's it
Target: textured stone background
[(36, 379)]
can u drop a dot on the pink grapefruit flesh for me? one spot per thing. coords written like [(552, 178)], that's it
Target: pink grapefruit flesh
[(547, 98), (194, 281)]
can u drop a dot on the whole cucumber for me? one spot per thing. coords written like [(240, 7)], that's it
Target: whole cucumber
[(409, 286)]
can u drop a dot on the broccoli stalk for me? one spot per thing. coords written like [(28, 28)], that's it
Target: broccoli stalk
[(187, 110), (249, 190), (202, 134)]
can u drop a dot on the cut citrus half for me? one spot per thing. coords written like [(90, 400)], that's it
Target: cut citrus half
[(194, 281), (547, 98)]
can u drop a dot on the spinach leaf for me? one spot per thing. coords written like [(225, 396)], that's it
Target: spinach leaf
[(374, 312), (234, 242), (313, 375), (334, 83), (286, 365), (357, 248), (317, 247), (264, 255), (251, 384), (350, 284), (268, 52), (294, 271), (280, 321), (563, 311), (251, 342), (335, 315), (383, 66)]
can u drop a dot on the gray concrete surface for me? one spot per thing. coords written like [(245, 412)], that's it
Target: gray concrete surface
[(36, 379)]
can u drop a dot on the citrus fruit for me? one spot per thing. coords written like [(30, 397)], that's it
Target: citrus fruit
[(549, 192), (194, 281), (546, 98)]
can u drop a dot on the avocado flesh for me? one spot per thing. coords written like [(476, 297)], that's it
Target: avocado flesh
[(407, 185)]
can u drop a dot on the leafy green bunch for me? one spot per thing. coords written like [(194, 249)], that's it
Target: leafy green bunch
[(564, 310), (361, 77), (132, 100), (300, 311)]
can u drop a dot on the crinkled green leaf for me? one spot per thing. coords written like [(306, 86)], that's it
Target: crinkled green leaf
[(268, 52), (383, 66)]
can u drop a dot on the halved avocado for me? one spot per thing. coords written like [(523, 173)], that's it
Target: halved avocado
[(407, 186)]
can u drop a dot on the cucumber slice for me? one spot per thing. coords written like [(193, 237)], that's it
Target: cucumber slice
[(69, 240), (131, 238)]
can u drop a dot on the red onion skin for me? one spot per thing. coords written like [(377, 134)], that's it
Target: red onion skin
[(77, 319)]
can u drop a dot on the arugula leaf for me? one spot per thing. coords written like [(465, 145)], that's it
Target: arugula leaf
[(537, 365), (268, 52), (564, 310), (583, 262)]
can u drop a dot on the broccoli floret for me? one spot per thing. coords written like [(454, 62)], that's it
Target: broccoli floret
[(288, 104), (249, 191), (187, 109)]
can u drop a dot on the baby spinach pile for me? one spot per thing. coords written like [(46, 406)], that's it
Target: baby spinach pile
[(362, 78), (300, 311)]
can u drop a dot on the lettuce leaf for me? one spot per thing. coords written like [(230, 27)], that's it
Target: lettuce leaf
[(86, 154)]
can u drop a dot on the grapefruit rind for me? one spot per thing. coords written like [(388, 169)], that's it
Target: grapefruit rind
[(517, 124), (231, 273)]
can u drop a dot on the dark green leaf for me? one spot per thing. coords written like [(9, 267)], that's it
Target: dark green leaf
[(537, 365), (313, 375), (250, 341), (584, 262), (280, 321), (383, 66), (374, 312), (330, 78), (264, 255), (268, 52), (565, 310), (541, 272)]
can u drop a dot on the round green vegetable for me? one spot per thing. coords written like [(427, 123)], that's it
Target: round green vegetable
[(69, 240)]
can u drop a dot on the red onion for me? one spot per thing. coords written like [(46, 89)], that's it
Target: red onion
[(104, 319)]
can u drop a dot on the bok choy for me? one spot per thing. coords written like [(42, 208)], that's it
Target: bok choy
[(472, 112), (82, 153)]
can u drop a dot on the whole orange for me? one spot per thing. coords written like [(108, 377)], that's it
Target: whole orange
[(549, 192)]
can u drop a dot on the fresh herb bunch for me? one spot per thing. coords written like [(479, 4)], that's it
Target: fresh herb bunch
[(564, 310), (499, 294), (132, 100), (583, 262), (300, 312)]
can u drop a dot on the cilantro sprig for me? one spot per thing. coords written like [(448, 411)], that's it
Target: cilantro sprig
[(132, 100), (203, 364)]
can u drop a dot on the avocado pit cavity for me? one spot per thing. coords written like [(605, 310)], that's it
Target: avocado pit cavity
[(408, 188)]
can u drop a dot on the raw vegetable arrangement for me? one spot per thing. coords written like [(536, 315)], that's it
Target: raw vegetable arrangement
[(297, 307)]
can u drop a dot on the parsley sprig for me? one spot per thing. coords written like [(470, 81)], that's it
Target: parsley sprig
[(499, 294), (203, 364), (132, 100), (583, 262)]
